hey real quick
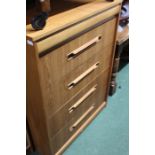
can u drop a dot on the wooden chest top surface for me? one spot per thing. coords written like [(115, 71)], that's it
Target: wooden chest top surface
[(67, 18)]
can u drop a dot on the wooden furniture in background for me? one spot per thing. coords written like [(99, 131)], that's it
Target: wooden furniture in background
[(45, 5), (69, 66), (121, 42)]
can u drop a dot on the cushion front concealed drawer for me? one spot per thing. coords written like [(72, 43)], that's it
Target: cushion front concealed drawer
[(93, 93)]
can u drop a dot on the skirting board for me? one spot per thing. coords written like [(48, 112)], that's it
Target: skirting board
[(63, 148)]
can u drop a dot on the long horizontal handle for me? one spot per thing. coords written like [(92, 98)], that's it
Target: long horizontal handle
[(83, 75), (81, 118), (79, 50), (82, 99)]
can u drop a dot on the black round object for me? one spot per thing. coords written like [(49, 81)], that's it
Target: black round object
[(38, 22)]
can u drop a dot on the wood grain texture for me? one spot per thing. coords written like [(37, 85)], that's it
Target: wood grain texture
[(82, 76), (70, 17), (123, 35), (56, 39), (63, 116), (56, 114), (82, 99), (55, 85), (34, 106), (83, 126), (82, 48), (86, 113), (55, 77)]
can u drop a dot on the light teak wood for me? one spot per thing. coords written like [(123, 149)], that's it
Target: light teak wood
[(35, 110), (79, 102), (83, 126), (51, 63), (54, 40), (83, 75), (62, 117), (81, 118), (81, 49), (68, 69), (71, 17), (62, 79)]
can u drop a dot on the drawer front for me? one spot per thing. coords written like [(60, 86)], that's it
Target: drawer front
[(82, 101), (68, 33), (63, 74), (60, 83), (68, 120), (79, 50), (61, 138)]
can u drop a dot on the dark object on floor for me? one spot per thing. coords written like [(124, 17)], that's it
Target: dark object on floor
[(122, 44), (119, 87)]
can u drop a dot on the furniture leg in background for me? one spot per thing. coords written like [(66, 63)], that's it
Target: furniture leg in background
[(45, 5), (121, 42)]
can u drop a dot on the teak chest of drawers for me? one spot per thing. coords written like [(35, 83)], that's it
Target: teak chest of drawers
[(68, 71)]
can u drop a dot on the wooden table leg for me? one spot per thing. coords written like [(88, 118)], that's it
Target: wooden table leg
[(45, 5), (113, 83)]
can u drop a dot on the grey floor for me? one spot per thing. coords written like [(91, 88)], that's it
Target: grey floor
[(108, 134)]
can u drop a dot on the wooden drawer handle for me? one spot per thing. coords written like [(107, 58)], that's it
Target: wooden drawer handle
[(81, 118), (83, 75), (78, 103), (81, 49)]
